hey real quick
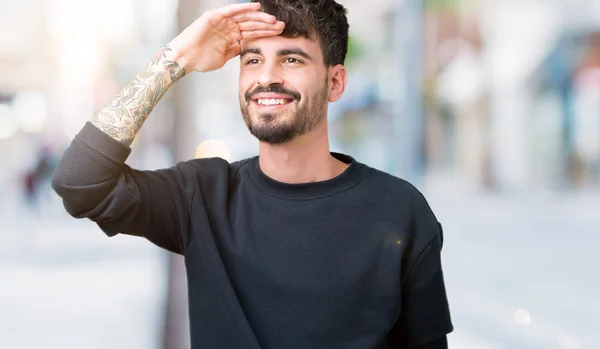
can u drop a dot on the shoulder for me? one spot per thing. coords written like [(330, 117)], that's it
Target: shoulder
[(212, 166), (207, 172), (241, 166), (397, 189), (406, 202), (384, 180), (209, 176)]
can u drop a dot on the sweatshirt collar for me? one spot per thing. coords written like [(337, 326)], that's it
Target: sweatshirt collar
[(313, 190)]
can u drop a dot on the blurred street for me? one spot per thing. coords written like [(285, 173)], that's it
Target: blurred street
[(520, 272), (64, 284)]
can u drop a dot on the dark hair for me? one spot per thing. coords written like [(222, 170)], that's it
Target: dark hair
[(325, 18)]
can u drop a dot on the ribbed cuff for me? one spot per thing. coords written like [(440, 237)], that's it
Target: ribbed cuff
[(103, 143)]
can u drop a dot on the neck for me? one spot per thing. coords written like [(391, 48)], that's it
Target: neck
[(304, 160)]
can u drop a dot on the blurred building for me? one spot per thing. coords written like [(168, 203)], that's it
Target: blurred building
[(509, 102), (566, 95)]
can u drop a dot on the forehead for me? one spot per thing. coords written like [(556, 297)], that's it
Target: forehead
[(270, 45)]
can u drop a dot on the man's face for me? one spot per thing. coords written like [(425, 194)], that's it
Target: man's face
[(283, 87)]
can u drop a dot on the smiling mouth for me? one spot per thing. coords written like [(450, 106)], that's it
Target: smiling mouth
[(272, 103)]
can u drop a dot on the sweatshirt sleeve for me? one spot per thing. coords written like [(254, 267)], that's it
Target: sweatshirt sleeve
[(424, 319), (94, 182)]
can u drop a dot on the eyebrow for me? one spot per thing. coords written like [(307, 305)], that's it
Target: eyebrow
[(282, 52), (247, 51)]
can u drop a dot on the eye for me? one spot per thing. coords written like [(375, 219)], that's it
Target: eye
[(252, 61), (293, 60)]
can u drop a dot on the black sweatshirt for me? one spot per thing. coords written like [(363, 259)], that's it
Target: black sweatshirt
[(351, 262)]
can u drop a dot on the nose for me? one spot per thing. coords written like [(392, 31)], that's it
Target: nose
[(270, 75)]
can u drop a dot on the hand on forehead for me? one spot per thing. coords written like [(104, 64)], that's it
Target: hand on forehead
[(251, 22)]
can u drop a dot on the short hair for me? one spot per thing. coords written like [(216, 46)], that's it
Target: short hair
[(324, 18)]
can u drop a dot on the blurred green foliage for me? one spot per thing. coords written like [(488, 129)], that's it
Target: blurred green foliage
[(450, 5), (355, 49), (440, 4)]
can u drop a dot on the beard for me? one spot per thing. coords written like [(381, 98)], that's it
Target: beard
[(275, 129)]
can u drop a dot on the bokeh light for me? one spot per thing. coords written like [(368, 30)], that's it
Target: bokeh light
[(522, 317), (213, 148), (30, 111), (8, 123)]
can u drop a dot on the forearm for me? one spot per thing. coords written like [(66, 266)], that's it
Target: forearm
[(125, 114)]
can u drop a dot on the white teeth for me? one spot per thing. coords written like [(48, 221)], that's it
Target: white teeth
[(271, 101)]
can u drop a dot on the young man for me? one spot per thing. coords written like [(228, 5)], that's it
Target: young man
[(296, 248)]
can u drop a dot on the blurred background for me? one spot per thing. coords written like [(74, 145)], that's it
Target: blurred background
[(490, 107)]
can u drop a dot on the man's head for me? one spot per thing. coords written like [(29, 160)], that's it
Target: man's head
[(287, 81)]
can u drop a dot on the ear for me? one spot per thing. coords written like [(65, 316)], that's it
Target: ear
[(337, 82)]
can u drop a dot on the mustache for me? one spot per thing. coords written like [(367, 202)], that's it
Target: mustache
[(272, 89)]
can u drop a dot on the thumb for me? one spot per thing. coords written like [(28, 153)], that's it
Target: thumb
[(233, 51)]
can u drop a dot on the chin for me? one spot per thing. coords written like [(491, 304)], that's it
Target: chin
[(274, 135), (276, 140), (271, 118)]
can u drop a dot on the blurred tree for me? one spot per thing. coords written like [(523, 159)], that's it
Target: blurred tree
[(450, 5), (433, 5), (355, 48)]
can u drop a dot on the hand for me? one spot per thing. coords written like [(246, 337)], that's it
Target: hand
[(213, 39)]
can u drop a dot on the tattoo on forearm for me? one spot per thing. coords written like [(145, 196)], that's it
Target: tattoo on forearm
[(125, 114), (175, 71)]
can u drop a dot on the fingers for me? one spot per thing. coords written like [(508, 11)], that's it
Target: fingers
[(234, 9), (256, 25), (233, 51), (253, 34), (251, 23), (254, 16)]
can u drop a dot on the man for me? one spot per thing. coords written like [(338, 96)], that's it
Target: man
[(295, 248)]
